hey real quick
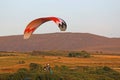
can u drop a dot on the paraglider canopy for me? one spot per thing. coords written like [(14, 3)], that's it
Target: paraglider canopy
[(33, 25)]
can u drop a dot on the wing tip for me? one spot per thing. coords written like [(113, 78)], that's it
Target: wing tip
[(26, 36)]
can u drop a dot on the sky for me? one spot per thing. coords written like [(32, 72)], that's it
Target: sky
[(100, 17)]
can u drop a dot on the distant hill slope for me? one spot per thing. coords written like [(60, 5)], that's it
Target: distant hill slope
[(60, 41)]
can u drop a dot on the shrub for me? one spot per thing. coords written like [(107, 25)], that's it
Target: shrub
[(22, 70), (83, 54), (105, 68), (21, 62), (64, 68), (34, 67)]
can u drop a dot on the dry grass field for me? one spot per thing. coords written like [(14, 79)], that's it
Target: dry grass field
[(11, 63)]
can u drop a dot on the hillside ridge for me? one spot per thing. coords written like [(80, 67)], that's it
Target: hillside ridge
[(60, 41)]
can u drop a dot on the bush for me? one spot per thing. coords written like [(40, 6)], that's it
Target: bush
[(34, 67), (4, 76), (107, 72), (17, 76), (22, 70), (64, 68), (21, 62), (82, 54), (64, 73), (105, 68)]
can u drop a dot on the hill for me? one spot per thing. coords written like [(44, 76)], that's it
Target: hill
[(60, 41)]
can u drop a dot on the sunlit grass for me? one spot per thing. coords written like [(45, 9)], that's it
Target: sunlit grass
[(11, 63)]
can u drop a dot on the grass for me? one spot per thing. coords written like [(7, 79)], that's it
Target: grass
[(11, 63)]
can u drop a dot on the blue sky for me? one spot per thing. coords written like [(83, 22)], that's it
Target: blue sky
[(101, 17)]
